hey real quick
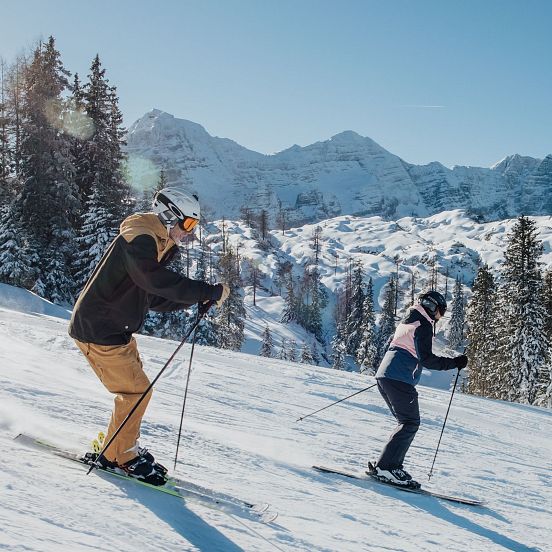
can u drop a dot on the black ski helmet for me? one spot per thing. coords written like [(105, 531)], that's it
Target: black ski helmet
[(433, 301)]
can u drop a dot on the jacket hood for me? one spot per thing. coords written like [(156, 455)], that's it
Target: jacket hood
[(149, 224), (423, 312)]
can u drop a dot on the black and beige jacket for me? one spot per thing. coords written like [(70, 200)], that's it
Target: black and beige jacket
[(130, 279)]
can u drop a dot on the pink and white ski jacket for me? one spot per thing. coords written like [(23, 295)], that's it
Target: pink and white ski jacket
[(411, 349)]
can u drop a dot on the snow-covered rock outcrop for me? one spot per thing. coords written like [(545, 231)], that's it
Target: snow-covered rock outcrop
[(346, 175)]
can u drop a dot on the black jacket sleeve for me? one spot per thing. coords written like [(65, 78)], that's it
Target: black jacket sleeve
[(140, 260), (160, 304), (423, 340)]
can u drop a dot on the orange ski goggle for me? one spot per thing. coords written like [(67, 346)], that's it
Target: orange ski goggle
[(188, 224)]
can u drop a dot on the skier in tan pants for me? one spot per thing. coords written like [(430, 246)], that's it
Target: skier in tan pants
[(130, 279)]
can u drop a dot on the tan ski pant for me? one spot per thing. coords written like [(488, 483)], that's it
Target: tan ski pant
[(120, 370)]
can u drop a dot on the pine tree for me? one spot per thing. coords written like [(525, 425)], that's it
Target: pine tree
[(18, 257), (544, 393), (263, 228), (306, 354), (231, 315), (524, 322), (481, 317), (315, 353), (255, 275), (316, 244), (292, 351), (206, 333), (547, 303), (456, 326), (246, 214), (283, 269), (386, 322), (282, 217), (15, 95), (355, 318), (5, 148), (79, 127), (339, 349), (499, 361), (267, 344), (162, 182), (99, 172), (290, 302), (367, 351), (120, 194), (413, 277), (49, 193), (316, 300), (94, 237), (283, 354)]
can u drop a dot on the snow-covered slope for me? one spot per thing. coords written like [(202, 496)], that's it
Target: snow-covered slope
[(451, 238), (240, 437), (23, 300), (346, 175)]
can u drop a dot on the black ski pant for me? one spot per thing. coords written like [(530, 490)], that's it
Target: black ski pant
[(402, 400)]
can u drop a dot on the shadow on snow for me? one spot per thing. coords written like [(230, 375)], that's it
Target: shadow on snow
[(174, 512)]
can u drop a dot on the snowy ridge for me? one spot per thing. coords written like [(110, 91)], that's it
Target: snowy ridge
[(346, 175), (240, 437)]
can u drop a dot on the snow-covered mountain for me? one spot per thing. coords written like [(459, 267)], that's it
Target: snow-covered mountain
[(240, 437), (346, 175)]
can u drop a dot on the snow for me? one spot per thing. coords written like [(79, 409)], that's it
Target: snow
[(23, 300), (240, 437)]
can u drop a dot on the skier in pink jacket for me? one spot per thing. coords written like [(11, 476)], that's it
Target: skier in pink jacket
[(400, 370)]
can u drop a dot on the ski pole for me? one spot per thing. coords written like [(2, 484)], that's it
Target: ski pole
[(430, 474), (340, 400), (199, 315), (150, 386)]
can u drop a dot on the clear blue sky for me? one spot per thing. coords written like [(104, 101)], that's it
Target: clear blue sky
[(460, 82)]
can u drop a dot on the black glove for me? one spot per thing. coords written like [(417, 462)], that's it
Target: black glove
[(204, 307), (460, 362)]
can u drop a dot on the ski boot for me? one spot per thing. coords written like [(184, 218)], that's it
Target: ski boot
[(395, 476), (98, 443), (143, 469), (140, 467), (103, 463), (144, 453)]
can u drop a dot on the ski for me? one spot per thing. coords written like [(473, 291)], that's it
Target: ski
[(260, 508), (420, 491), (174, 487)]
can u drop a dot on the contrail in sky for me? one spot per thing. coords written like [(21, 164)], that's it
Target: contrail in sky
[(424, 106)]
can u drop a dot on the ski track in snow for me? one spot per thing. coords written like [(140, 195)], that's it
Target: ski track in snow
[(240, 437)]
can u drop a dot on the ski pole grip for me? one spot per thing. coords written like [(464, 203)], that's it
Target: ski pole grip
[(204, 307)]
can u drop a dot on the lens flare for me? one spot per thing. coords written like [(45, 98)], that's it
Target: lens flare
[(143, 174), (78, 124), (69, 119)]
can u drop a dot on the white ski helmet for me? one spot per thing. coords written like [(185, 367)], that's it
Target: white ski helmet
[(173, 205)]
